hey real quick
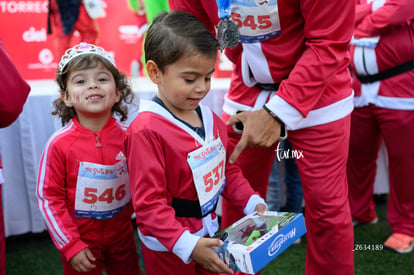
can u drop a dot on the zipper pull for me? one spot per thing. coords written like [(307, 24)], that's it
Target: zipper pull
[(98, 142)]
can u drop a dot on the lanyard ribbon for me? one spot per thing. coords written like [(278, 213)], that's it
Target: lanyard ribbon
[(224, 8)]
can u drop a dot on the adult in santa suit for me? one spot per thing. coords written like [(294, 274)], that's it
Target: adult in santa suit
[(14, 91), (383, 70), (291, 68)]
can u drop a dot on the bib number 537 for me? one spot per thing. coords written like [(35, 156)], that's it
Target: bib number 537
[(214, 176)]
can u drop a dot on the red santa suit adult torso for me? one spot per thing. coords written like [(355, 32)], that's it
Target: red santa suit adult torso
[(295, 46), (13, 91), (390, 32)]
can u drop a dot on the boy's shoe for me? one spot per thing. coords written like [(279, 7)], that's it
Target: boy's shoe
[(374, 221), (400, 243)]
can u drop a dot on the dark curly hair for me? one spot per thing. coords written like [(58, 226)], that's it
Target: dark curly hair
[(86, 61)]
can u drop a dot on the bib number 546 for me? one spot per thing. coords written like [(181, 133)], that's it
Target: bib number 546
[(108, 195)]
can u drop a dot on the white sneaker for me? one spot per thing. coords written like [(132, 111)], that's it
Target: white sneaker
[(374, 221)]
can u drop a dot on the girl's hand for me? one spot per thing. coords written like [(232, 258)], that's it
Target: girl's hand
[(81, 262), (260, 209), (204, 254)]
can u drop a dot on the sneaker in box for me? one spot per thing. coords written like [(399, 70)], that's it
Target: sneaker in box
[(254, 241)]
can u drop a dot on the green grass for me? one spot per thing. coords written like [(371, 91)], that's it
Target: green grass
[(35, 254), (367, 262)]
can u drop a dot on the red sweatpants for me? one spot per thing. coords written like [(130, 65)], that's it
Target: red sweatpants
[(396, 127), (85, 25), (118, 259), (330, 237)]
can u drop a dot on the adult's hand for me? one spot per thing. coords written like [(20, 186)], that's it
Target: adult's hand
[(260, 129)]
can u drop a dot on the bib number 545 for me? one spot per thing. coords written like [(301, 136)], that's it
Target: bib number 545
[(253, 22)]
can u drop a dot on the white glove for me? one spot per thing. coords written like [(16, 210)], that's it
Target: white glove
[(95, 8)]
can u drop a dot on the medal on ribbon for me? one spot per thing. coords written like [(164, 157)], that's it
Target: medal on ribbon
[(227, 31)]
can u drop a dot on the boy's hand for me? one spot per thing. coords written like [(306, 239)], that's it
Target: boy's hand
[(204, 254), (260, 209), (81, 262)]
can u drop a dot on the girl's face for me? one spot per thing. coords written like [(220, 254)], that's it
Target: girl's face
[(184, 83), (92, 92)]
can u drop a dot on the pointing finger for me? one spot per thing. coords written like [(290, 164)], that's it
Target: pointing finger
[(241, 145)]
